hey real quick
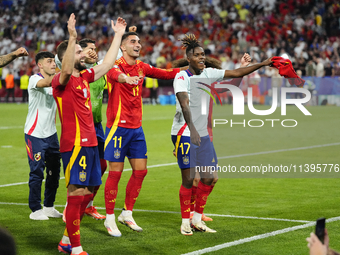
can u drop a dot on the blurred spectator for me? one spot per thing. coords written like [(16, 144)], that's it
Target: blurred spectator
[(328, 69), (310, 68), (10, 86), (320, 69), (24, 80)]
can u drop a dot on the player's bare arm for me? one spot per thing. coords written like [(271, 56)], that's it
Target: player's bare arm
[(46, 82), (6, 59), (245, 61), (112, 53), (132, 80), (246, 70), (67, 64), (183, 99)]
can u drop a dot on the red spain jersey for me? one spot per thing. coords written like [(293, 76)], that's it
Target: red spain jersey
[(75, 111), (124, 107)]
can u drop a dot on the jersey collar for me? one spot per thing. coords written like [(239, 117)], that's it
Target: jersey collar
[(189, 73)]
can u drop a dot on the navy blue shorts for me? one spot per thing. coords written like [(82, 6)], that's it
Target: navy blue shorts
[(191, 155), (124, 142), (82, 166), (100, 138), (38, 148)]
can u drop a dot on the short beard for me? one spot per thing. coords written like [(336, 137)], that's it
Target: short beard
[(79, 67)]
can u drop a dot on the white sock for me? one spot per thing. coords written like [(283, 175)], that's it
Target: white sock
[(65, 240), (90, 204), (197, 217), (126, 213), (77, 250), (186, 221), (110, 217)]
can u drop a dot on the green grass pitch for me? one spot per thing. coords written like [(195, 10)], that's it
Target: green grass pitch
[(300, 199)]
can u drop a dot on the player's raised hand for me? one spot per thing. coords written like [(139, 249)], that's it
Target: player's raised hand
[(267, 62), (133, 80), (132, 29), (120, 26), (245, 60), (71, 26), (92, 54), (21, 52)]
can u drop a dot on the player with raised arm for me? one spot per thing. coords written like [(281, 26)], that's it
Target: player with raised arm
[(41, 139), (209, 63), (6, 59), (124, 133), (190, 133), (96, 90), (78, 142)]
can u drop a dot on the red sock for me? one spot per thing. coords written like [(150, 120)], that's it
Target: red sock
[(111, 190), (193, 198), (211, 188), (103, 166), (87, 199), (73, 218), (133, 188), (184, 199), (203, 191)]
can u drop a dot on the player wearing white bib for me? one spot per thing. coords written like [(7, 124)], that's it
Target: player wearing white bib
[(41, 139), (190, 134)]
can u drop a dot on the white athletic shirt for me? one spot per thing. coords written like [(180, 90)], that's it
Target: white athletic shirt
[(182, 84), (40, 121)]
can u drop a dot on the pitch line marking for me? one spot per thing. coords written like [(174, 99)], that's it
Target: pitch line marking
[(172, 212), (257, 237), (232, 156)]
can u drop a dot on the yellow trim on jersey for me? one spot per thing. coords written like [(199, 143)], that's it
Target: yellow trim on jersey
[(83, 71), (77, 139), (70, 164), (60, 103), (114, 126)]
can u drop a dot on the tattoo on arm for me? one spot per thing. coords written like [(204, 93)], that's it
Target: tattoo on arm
[(6, 59)]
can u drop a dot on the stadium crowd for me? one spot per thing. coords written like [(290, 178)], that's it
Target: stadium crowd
[(307, 30)]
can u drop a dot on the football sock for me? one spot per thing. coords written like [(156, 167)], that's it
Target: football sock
[(111, 190), (110, 217), (73, 218), (197, 217), (126, 213), (211, 188), (185, 221), (193, 198), (133, 188), (90, 203), (77, 250), (87, 199), (65, 240), (184, 199), (203, 191), (103, 166)]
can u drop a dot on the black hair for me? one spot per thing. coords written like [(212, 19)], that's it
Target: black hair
[(83, 42), (209, 62), (190, 42), (126, 35), (42, 55)]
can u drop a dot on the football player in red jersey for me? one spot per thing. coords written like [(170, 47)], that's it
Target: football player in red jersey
[(124, 133), (78, 141)]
